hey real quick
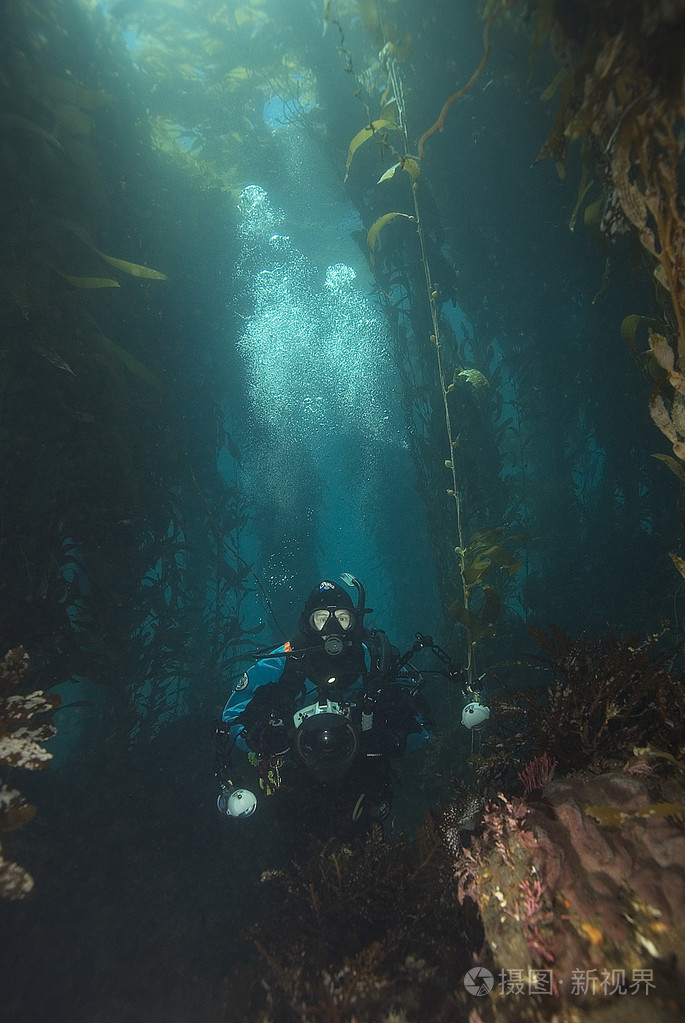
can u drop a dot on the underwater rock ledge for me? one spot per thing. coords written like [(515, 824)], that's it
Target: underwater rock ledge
[(582, 896), (573, 900), (23, 729)]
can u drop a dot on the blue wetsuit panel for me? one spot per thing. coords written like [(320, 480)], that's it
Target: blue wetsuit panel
[(269, 669)]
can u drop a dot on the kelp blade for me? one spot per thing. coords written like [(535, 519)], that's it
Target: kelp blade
[(363, 135), (90, 282), (134, 269), (131, 363), (376, 227)]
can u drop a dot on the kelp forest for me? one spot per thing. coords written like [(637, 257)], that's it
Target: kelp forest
[(291, 289)]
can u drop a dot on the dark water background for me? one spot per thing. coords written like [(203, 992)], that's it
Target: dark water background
[(293, 425)]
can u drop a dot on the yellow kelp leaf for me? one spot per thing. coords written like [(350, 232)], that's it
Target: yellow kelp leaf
[(483, 538), (73, 119), (662, 418), (678, 562), (485, 547), (66, 90), (605, 280), (560, 76), (480, 626), (629, 328), (408, 164), (132, 364), (375, 228), (593, 215), (505, 560), (238, 74), (389, 110), (369, 17), (249, 15), (476, 568), (52, 357), (661, 810), (611, 816), (586, 183), (645, 752), (389, 173), (660, 276), (363, 135), (134, 269), (679, 470), (476, 571), (411, 166), (474, 377), (555, 144), (543, 24), (464, 617), (663, 352), (489, 613), (16, 121), (90, 282), (665, 356), (189, 72)]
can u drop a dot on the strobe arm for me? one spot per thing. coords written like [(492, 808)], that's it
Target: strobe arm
[(476, 713)]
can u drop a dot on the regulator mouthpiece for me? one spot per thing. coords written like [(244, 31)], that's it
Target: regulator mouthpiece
[(236, 803), (333, 645), (475, 714)]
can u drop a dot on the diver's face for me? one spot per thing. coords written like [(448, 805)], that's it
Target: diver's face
[(335, 627), (331, 620)]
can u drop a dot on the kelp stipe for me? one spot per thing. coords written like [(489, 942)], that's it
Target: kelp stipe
[(486, 548)]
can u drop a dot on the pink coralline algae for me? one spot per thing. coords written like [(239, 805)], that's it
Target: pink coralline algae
[(561, 891), (537, 774), (532, 892)]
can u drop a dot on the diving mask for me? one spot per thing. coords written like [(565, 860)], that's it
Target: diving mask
[(322, 617)]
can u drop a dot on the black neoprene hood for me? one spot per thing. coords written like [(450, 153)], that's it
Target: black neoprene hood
[(328, 595)]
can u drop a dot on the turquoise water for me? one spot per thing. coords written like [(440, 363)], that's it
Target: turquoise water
[(241, 353)]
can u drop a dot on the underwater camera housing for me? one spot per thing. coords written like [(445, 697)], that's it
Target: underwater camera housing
[(326, 740)]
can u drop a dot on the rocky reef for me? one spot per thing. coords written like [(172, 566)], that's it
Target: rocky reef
[(23, 729), (564, 899), (581, 891)]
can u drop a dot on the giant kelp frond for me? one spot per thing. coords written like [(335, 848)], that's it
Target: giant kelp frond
[(440, 123), (23, 729), (622, 96)]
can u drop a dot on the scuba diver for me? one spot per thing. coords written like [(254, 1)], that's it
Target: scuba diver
[(323, 715)]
